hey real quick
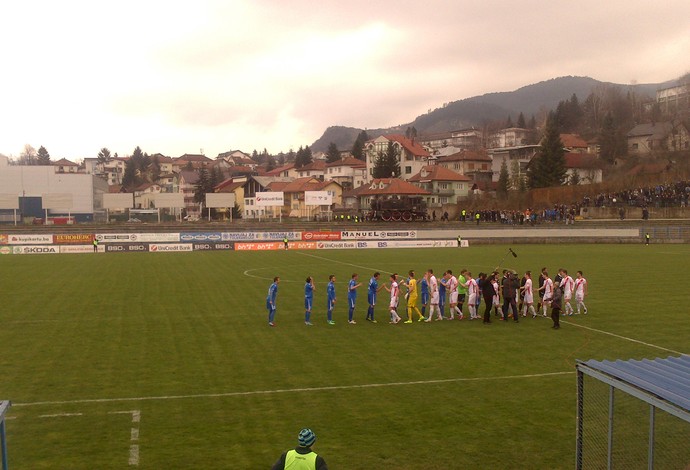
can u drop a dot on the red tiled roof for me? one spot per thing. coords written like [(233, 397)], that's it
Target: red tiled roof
[(349, 161), (580, 160), (279, 170), (384, 186), (437, 173), (277, 185), (411, 146), (573, 141), (316, 165), (114, 188), (466, 155), (649, 169), (228, 186), (188, 157)]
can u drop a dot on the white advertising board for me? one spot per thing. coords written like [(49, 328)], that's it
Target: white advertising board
[(39, 239), (76, 249), (9, 201), (278, 236), (220, 200), (318, 198), (138, 237), (117, 200), (377, 234), (169, 200), (167, 247), (57, 201), (268, 199), (35, 250)]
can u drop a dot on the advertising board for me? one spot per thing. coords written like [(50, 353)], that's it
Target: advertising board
[(318, 198), (126, 247), (302, 245), (201, 237), (5, 250), (269, 199), (35, 250), (336, 245), (138, 237), (38, 239), (211, 246), (69, 249), (319, 236), (169, 247), (73, 238), (259, 246), (377, 234)]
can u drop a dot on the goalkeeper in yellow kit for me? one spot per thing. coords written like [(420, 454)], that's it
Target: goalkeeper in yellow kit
[(412, 298)]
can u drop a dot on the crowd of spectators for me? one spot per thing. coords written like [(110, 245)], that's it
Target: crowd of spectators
[(662, 195)]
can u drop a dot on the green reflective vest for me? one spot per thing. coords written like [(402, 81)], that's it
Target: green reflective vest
[(296, 461)]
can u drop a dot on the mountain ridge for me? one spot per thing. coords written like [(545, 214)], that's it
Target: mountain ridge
[(477, 110)]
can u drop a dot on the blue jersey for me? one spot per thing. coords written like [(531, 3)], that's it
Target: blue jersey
[(308, 291), (351, 291), (373, 288), (442, 287), (424, 286), (330, 293), (271, 297)]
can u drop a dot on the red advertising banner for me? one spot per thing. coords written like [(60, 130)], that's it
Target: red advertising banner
[(73, 238), (302, 245), (320, 236), (3, 239)]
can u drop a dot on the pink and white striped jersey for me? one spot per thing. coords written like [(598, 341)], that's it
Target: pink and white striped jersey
[(453, 284), (567, 284), (472, 287), (580, 285)]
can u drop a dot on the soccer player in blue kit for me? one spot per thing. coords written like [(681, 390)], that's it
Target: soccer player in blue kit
[(442, 284), (371, 295), (271, 301), (308, 300), (330, 298), (352, 298), (424, 289)]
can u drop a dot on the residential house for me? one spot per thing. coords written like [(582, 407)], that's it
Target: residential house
[(144, 195), (285, 171), (476, 164), (510, 137), (294, 195), (445, 186), (65, 166), (674, 99), (349, 172), (315, 169), (658, 136), (463, 139), (237, 158), (411, 155), (258, 184), (574, 143), (169, 182), (234, 186), (195, 160), (587, 167), (187, 186), (517, 158), (164, 162)]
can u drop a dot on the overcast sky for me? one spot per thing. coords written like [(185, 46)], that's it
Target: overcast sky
[(176, 77)]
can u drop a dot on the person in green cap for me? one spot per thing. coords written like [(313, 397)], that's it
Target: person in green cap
[(301, 457)]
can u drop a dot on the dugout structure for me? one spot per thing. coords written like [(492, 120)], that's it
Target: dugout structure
[(633, 414), (4, 406)]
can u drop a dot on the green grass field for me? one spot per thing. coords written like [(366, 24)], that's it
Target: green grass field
[(172, 353)]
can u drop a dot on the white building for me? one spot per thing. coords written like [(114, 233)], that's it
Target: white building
[(411, 155), (31, 183)]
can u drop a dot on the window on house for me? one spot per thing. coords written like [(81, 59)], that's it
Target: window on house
[(485, 166), (456, 166), (635, 146), (443, 185), (408, 170), (470, 166), (443, 200)]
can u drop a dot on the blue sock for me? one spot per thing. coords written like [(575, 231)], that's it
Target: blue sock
[(350, 312), (330, 315), (424, 310), (307, 316)]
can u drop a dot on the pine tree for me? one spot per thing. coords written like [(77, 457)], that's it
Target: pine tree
[(521, 121), (202, 186), (43, 156), (509, 122), (130, 175), (333, 154), (547, 168), (607, 139), (358, 147), (502, 188), (387, 164)]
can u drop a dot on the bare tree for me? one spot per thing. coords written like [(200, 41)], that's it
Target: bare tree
[(28, 156)]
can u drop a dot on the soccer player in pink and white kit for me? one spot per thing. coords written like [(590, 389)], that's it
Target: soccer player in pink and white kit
[(472, 295), (395, 297), (567, 284), (453, 295), (528, 299), (580, 291), (548, 291), (433, 304)]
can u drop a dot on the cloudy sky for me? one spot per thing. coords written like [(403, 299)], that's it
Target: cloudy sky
[(177, 77)]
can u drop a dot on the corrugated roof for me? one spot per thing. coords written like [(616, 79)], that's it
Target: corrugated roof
[(668, 379)]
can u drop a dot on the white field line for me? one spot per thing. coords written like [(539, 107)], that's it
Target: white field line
[(60, 415), (292, 390), (343, 262), (624, 338), (133, 435)]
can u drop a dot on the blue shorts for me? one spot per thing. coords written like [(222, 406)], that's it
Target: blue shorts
[(307, 303), (351, 301), (371, 298), (425, 298)]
